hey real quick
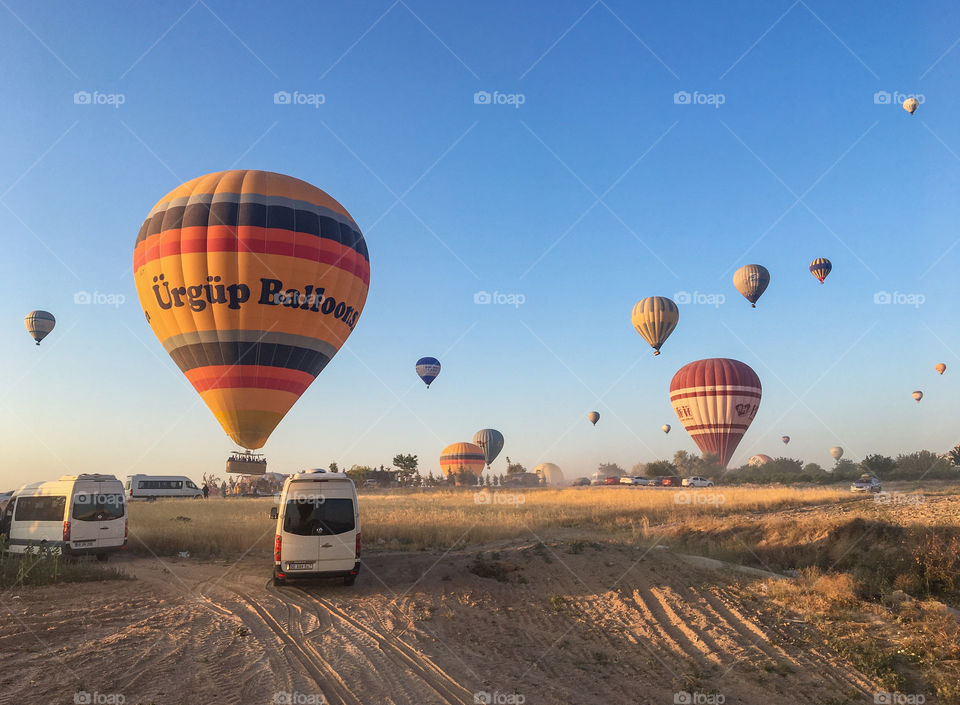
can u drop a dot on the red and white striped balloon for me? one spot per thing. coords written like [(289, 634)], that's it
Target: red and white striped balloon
[(716, 401)]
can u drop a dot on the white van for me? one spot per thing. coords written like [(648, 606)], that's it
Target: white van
[(77, 514), (153, 486), (318, 528)]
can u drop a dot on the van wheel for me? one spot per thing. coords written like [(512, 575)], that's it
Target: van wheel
[(102, 557), (349, 580)]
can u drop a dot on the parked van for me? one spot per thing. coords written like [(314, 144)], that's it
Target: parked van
[(318, 528), (77, 514), (153, 486)]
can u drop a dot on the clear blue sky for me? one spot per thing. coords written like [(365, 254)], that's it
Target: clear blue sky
[(496, 198)]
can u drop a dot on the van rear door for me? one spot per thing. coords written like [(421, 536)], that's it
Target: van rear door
[(320, 522), (97, 515)]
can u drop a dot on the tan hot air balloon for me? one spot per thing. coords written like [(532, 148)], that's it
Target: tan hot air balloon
[(550, 474), (665, 428), (941, 368), (836, 452), (751, 280), (655, 317), (759, 459), (911, 105), (593, 417), (917, 396), (39, 324)]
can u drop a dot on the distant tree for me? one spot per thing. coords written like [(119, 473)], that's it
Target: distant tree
[(954, 455), (464, 478), (687, 464), (514, 468), (359, 473), (710, 466), (638, 469), (431, 480), (334, 467), (611, 470), (879, 465), (498, 480), (660, 467), (924, 465), (407, 465), (845, 470), (486, 480)]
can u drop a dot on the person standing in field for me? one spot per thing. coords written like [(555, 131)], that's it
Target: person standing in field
[(206, 490)]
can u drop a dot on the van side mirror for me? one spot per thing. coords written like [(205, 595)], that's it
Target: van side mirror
[(274, 513)]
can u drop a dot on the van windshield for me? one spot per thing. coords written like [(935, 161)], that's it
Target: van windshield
[(318, 517), (40, 508), (98, 507)]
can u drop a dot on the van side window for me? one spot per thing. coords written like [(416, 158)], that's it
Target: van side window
[(191, 485), (40, 508), (316, 517)]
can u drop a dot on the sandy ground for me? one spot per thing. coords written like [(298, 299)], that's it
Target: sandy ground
[(605, 624)]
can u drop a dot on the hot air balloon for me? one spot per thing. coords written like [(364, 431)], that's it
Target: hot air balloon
[(665, 428), (941, 368), (490, 442), (461, 457), (428, 368), (716, 401), (820, 268), (655, 317), (758, 460), (911, 105), (917, 396), (751, 280), (836, 452), (252, 281), (593, 417), (39, 324), (785, 439), (549, 474)]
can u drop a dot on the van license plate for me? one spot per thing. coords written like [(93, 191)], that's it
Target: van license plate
[(300, 565), (80, 544)]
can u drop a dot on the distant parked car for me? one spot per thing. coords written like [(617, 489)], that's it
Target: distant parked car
[(638, 480), (581, 482), (611, 481), (866, 483), (697, 481), (671, 481)]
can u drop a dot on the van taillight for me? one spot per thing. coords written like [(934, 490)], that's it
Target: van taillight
[(358, 544), (66, 531), (276, 549)]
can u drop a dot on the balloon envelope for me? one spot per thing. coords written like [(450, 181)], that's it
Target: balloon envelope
[(751, 280), (785, 439), (911, 105), (820, 268), (460, 457), (593, 417), (759, 459), (655, 317), (836, 452), (917, 395), (941, 368), (490, 442), (39, 324), (549, 473), (665, 428), (427, 369), (252, 281), (716, 401)]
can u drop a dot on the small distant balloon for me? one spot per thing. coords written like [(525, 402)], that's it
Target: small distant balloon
[(941, 368), (820, 268), (911, 105), (427, 369), (39, 324), (917, 396), (593, 417), (665, 428), (751, 280), (785, 439), (836, 452), (654, 318), (758, 460)]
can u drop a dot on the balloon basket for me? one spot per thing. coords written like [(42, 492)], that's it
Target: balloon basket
[(247, 463)]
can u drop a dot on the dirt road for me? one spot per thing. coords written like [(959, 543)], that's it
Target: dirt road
[(565, 622)]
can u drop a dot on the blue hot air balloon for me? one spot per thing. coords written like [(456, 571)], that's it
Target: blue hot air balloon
[(490, 441), (428, 368)]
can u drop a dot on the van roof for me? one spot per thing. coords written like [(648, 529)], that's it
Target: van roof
[(88, 476), (317, 474)]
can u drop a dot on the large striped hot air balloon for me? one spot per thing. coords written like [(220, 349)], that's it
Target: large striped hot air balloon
[(462, 457), (655, 317), (251, 281), (491, 443), (39, 324), (820, 268), (716, 401), (751, 280), (427, 369)]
